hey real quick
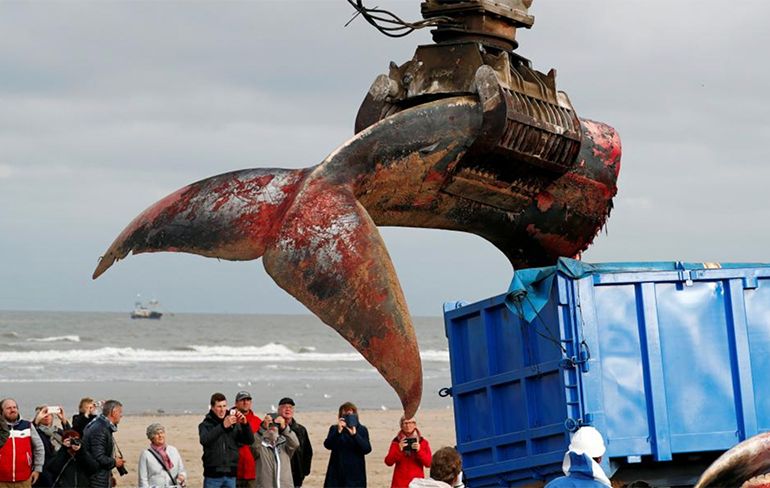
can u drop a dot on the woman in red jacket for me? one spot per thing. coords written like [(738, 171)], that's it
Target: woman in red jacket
[(410, 452)]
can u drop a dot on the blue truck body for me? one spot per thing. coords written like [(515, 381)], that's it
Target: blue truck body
[(670, 361)]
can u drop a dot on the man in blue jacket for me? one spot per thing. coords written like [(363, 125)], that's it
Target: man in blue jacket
[(581, 462), (99, 449)]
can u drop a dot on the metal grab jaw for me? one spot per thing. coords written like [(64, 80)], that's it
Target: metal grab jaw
[(530, 133), (542, 174)]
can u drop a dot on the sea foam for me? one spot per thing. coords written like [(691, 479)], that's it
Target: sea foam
[(271, 352)]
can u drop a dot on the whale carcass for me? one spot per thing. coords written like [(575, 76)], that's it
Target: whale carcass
[(465, 136)]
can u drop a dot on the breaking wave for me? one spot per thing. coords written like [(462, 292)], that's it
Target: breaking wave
[(66, 338), (268, 353)]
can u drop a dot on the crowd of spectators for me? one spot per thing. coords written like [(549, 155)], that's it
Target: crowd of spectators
[(240, 449), (48, 452)]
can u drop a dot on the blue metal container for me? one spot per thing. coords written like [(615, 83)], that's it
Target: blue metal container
[(669, 361)]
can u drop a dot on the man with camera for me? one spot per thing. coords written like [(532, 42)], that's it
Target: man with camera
[(21, 458), (99, 446), (221, 434), (303, 456), (410, 452), (274, 448)]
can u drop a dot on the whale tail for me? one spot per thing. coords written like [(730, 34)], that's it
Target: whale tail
[(746, 464), (316, 228), (319, 244), (229, 216)]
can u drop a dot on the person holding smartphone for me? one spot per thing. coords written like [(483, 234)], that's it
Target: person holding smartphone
[(49, 434), (409, 452), (222, 433), (348, 441)]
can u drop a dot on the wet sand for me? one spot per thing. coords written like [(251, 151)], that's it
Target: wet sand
[(182, 431)]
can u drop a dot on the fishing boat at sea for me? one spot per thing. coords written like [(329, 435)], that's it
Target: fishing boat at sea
[(147, 310)]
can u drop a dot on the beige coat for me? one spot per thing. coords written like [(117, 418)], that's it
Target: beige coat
[(274, 463)]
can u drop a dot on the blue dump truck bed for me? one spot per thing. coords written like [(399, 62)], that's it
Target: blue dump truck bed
[(670, 361)]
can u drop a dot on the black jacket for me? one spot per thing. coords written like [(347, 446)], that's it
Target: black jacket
[(4, 432), (99, 448), (79, 422), (44, 480), (347, 467), (303, 456), (67, 471), (220, 445)]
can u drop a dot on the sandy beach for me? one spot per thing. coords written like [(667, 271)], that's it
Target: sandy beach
[(437, 425)]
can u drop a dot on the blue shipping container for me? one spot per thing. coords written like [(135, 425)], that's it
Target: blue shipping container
[(669, 361)]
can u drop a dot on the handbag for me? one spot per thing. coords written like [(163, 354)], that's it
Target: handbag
[(163, 465)]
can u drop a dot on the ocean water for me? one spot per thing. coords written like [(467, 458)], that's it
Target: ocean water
[(173, 365)]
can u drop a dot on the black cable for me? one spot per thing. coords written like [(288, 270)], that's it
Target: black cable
[(582, 328), (550, 337), (545, 326), (390, 24)]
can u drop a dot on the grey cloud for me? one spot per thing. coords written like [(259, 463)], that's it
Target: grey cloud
[(108, 106)]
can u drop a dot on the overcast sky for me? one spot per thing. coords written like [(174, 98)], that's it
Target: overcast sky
[(105, 107)]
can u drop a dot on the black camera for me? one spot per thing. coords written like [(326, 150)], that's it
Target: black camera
[(122, 471), (410, 442), (74, 441), (351, 420), (273, 416)]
